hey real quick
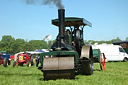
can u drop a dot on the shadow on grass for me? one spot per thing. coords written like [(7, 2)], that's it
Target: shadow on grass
[(97, 70), (15, 74), (42, 79)]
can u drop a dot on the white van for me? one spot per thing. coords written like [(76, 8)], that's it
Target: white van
[(112, 52)]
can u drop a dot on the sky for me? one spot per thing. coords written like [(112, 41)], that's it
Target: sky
[(109, 18)]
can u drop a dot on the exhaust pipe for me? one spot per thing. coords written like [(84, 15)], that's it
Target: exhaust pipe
[(61, 43), (61, 16)]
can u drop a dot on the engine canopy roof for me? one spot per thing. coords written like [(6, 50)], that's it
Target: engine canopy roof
[(72, 21)]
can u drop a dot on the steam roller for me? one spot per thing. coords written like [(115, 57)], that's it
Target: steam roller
[(69, 55)]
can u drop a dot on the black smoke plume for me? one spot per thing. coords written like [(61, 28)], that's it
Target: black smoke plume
[(58, 3)]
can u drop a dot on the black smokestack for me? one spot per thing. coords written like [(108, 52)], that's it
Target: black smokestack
[(61, 43), (61, 17), (58, 3)]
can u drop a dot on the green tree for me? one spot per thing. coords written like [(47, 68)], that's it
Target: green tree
[(102, 41), (126, 39), (38, 44), (91, 42), (50, 43), (117, 39), (19, 45), (6, 43)]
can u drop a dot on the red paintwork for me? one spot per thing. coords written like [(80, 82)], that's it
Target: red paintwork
[(1, 59), (23, 58), (12, 57), (103, 61)]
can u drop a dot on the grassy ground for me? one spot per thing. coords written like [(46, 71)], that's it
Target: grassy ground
[(116, 73)]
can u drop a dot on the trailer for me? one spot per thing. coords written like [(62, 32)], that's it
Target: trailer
[(99, 58)]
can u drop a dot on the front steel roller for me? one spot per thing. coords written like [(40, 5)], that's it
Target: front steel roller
[(87, 60), (58, 67)]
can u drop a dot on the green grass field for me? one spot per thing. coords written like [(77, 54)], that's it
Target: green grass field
[(116, 73)]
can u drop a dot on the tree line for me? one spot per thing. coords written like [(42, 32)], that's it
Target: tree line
[(12, 45)]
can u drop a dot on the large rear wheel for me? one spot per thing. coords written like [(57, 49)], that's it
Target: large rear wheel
[(37, 62), (28, 64), (33, 61), (14, 64), (87, 60), (78, 41), (9, 62), (5, 62)]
